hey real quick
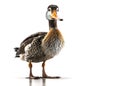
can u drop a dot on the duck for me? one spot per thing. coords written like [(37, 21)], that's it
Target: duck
[(42, 46)]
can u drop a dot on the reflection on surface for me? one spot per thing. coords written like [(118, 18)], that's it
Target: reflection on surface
[(38, 82), (30, 82), (22, 81), (43, 82)]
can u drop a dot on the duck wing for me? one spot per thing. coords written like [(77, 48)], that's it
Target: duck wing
[(29, 40)]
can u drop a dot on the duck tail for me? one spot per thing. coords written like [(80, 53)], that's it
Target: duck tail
[(17, 52)]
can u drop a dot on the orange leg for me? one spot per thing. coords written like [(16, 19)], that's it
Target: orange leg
[(44, 75), (30, 74), (30, 67)]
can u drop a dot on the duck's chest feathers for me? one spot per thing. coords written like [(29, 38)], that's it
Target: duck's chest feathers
[(52, 43)]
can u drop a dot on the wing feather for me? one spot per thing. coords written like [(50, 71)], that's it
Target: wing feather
[(29, 40)]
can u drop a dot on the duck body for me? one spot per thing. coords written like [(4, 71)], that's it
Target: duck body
[(41, 46)]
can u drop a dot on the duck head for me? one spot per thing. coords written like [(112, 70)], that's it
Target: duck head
[(51, 13)]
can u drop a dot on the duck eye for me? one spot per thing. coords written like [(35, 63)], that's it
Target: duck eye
[(49, 9), (57, 9)]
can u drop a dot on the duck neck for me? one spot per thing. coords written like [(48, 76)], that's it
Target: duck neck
[(52, 24)]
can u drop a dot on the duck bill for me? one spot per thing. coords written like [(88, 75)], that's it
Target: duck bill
[(54, 15)]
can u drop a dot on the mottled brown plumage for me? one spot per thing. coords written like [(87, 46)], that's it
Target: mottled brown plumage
[(52, 42), (42, 46), (29, 40)]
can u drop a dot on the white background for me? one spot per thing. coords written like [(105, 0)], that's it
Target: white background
[(91, 29)]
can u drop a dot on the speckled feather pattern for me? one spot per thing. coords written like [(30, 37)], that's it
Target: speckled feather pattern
[(44, 47), (29, 40), (34, 52)]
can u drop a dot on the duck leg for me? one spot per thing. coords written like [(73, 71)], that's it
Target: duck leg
[(44, 75), (30, 67), (30, 74)]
